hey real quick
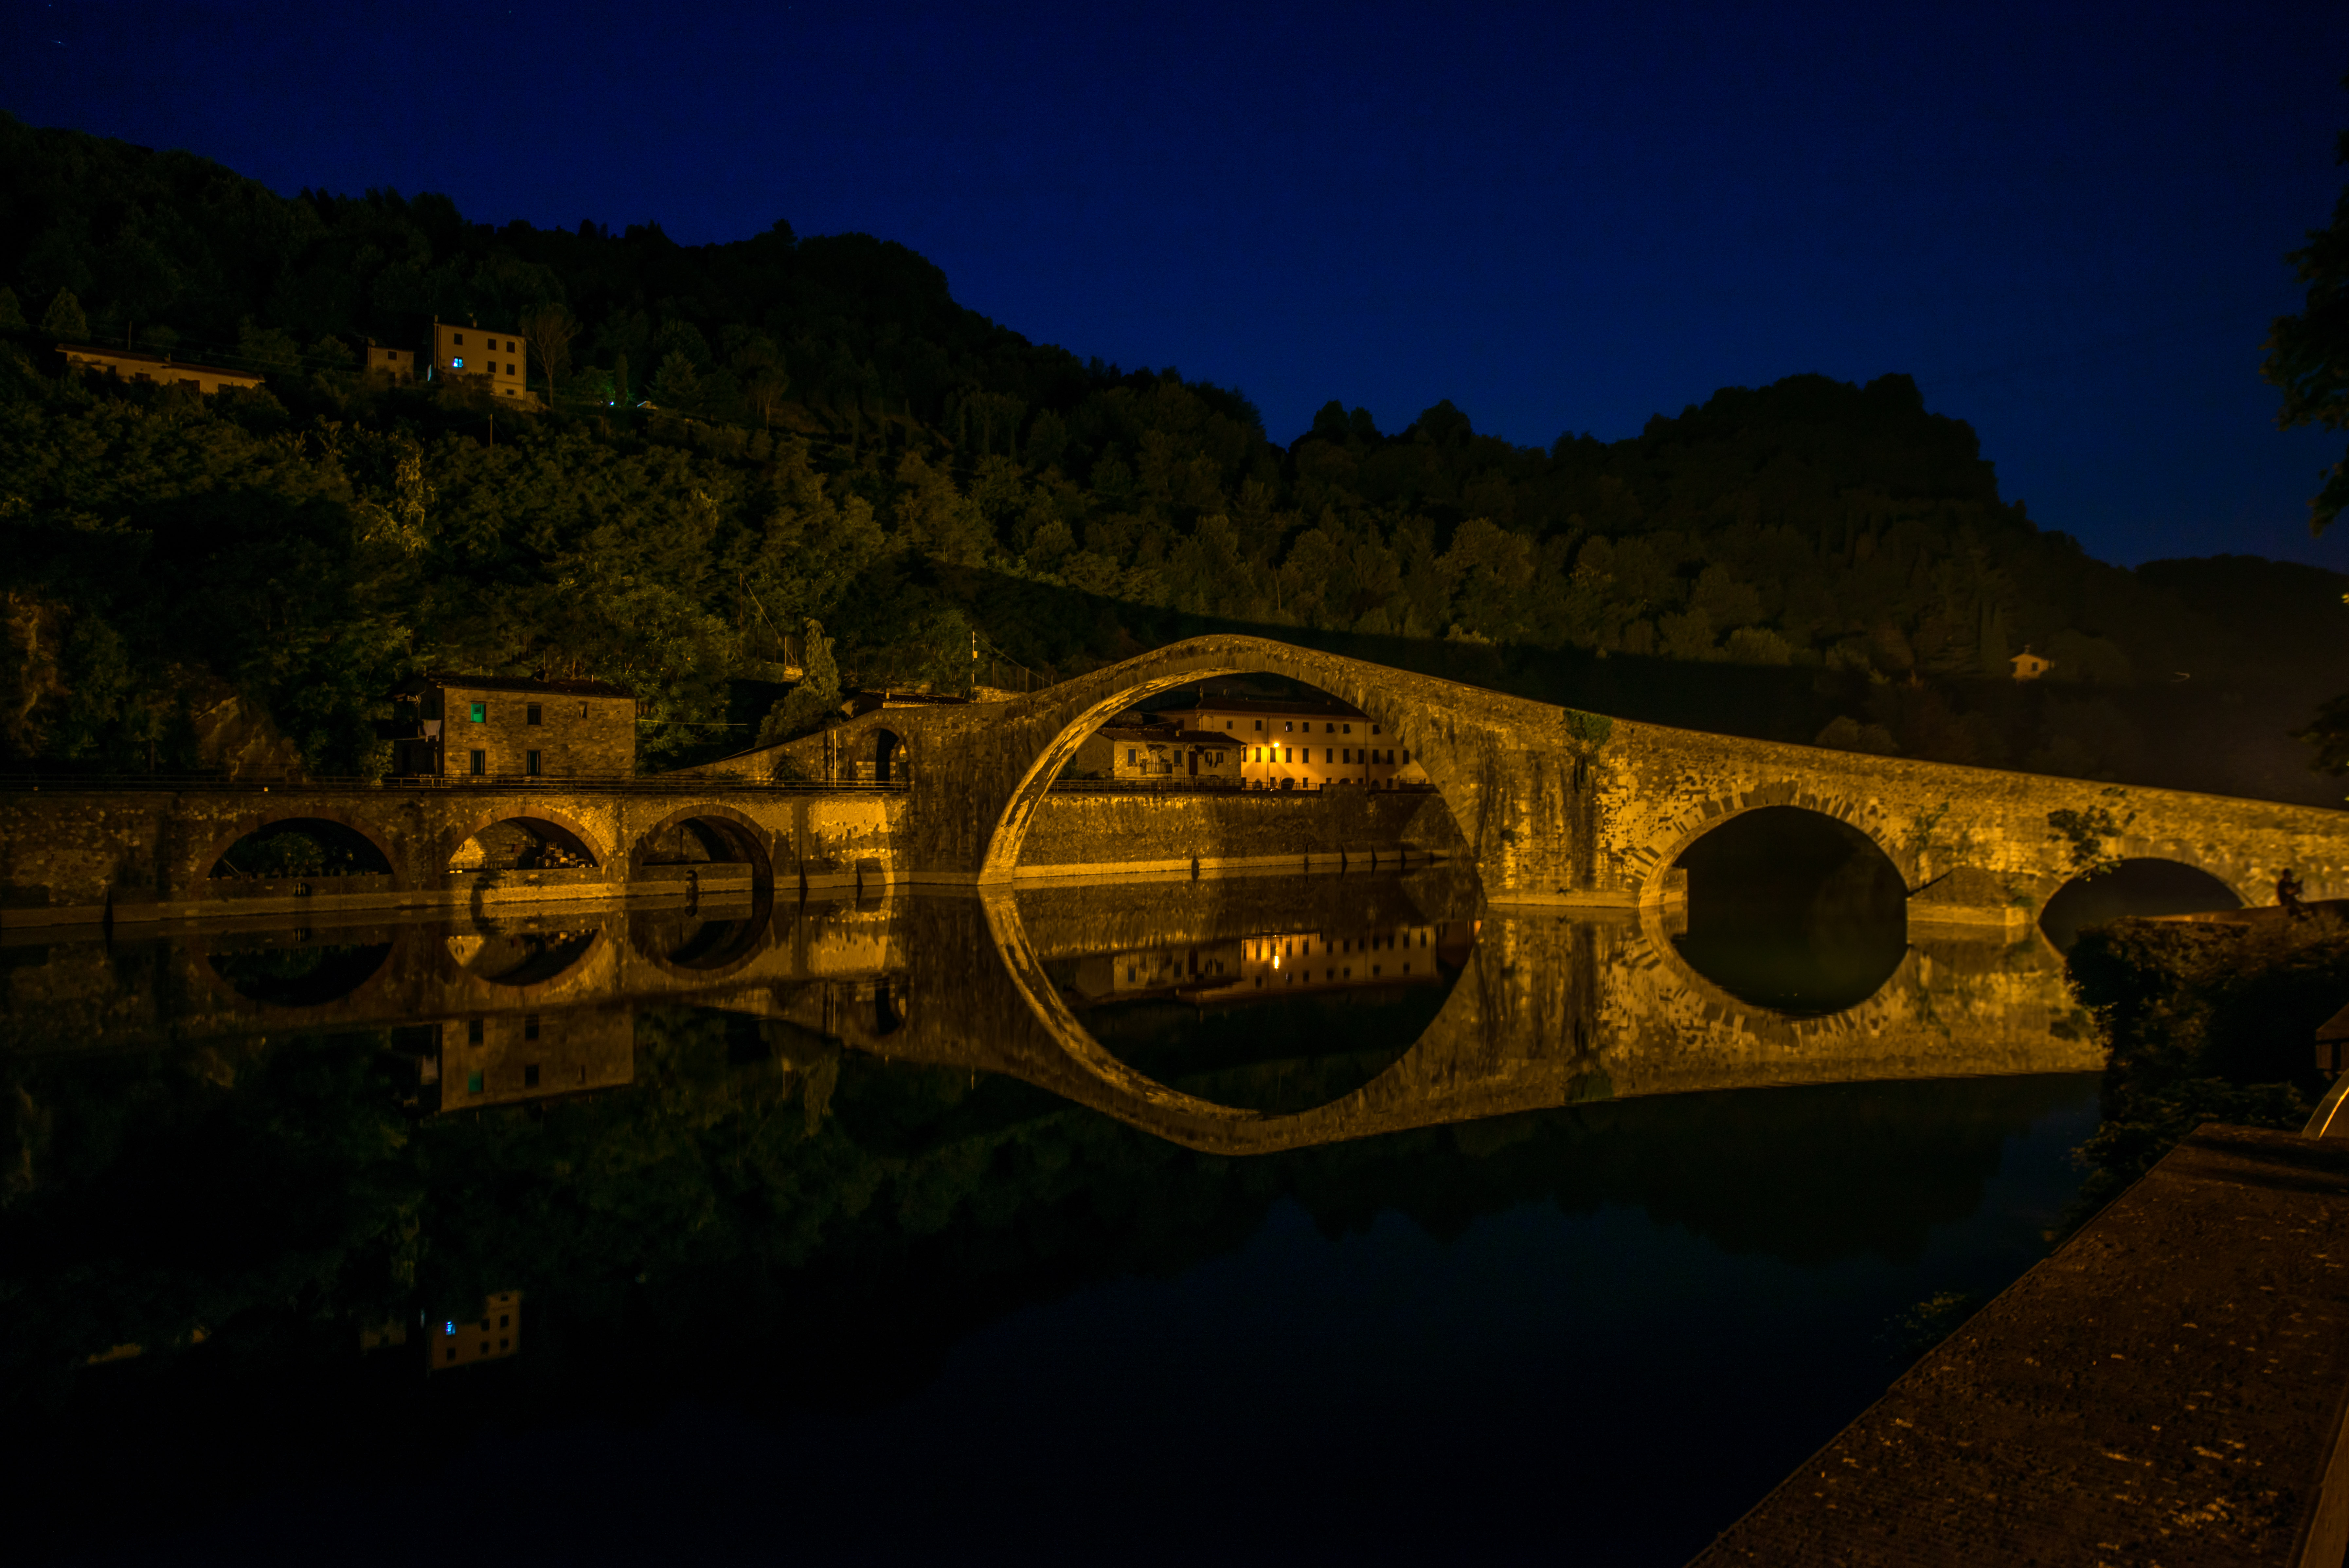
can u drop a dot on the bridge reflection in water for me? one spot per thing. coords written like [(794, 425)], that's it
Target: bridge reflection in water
[(1525, 1009)]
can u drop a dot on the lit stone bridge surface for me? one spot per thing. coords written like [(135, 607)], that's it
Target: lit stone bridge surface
[(1562, 807), (1551, 1007), (1547, 804)]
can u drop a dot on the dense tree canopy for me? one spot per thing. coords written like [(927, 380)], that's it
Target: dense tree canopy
[(748, 436)]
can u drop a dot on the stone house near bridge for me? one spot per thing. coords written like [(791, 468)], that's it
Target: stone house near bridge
[(492, 727), (1302, 743)]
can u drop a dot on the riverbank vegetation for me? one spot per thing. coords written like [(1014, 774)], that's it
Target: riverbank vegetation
[(750, 435), (2210, 1021)]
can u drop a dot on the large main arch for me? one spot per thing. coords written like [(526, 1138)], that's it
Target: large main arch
[(1457, 748)]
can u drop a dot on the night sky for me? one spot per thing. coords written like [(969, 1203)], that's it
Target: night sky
[(2067, 222)]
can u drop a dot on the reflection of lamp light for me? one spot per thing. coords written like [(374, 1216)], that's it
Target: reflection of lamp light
[(1275, 961)]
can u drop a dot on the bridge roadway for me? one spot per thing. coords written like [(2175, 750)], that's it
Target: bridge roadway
[(1551, 807), (1551, 1007)]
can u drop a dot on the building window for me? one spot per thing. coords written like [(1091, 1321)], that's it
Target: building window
[(1406, 753), (481, 713), (1287, 754), (1328, 756), (458, 341), (529, 763), (481, 763), (472, 1032), (530, 1075), (1345, 729), (1286, 726), (1260, 726), (1129, 756), (530, 1026), (530, 713), (473, 1083), (1374, 729)]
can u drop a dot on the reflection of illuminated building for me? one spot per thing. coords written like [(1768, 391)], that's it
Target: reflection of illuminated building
[(1253, 967), (499, 1058), (497, 1332)]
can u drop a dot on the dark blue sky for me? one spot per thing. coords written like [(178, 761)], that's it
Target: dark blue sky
[(2067, 222)]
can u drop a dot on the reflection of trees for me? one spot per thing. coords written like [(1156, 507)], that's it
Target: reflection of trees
[(760, 1216)]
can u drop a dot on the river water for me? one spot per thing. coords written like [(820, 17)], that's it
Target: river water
[(1273, 1219)]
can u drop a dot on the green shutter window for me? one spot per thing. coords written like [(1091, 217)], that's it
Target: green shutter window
[(481, 713), (473, 1083)]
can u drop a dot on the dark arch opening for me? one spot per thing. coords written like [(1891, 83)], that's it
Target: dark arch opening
[(891, 761), (2133, 887), (524, 956), (693, 843), (287, 968), (301, 846), (523, 844), (1792, 911)]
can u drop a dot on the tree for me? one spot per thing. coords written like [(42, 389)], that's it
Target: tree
[(677, 386), (549, 329), (2308, 354), (806, 705), (65, 318)]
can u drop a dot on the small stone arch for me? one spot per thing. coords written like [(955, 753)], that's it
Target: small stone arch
[(244, 826), (1800, 983), (739, 833), (1187, 664), (582, 839), (892, 755), (1673, 838), (2184, 895)]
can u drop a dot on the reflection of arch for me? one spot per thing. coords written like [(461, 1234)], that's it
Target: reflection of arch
[(336, 972), (519, 959), (256, 822), (890, 1006), (1341, 678), (891, 760), (538, 820), (1107, 1082), (2137, 884)]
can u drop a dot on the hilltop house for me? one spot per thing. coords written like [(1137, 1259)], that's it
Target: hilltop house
[(497, 362), (158, 369)]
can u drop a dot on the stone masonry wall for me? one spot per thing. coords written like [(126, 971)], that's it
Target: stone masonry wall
[(1103, 833)]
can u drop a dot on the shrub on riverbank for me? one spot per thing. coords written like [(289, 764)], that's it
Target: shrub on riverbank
[(2204, 1022)]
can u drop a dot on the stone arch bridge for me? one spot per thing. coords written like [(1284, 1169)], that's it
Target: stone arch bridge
[(1551, 807), (1557, 807)]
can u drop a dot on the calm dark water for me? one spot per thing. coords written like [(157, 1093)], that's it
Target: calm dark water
[(813, 1263)]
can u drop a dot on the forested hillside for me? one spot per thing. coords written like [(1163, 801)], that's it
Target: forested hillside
[(749, 436)]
